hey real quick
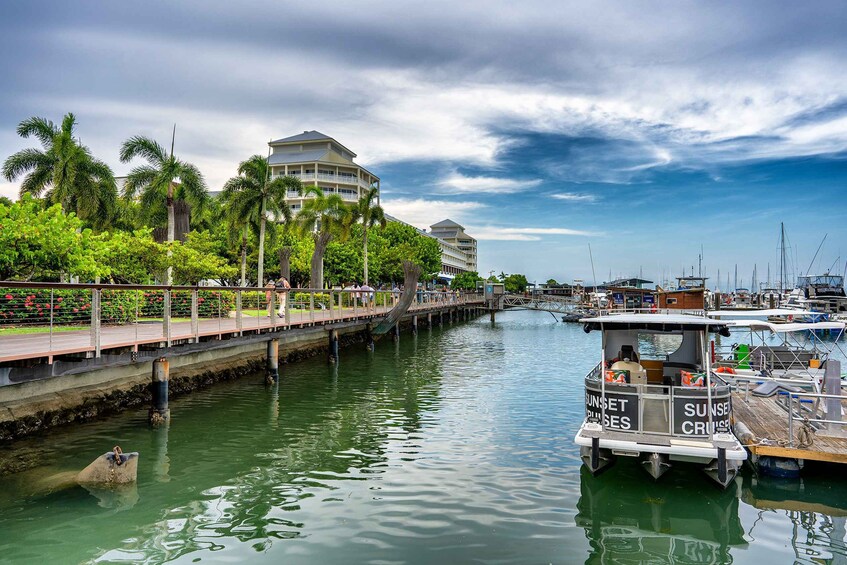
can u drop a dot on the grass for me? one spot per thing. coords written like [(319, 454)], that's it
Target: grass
[(26, 330)]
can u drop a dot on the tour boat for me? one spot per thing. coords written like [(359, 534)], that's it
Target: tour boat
[(661, 409)]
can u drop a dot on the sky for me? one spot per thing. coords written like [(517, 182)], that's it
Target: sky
[(647, 130)]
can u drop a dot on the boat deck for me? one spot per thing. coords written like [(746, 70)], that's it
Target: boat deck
[(767, 418)]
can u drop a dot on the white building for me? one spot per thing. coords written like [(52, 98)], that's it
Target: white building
[(453, 234), (319, 160)]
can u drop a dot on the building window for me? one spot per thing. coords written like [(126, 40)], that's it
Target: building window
[(671, 300)]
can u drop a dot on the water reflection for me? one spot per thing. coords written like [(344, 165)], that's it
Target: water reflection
[(815, 508), (629, 518)]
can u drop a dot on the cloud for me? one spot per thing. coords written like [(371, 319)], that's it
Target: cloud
[(574, 197), (423, 213), (495, 233), (457, 182)]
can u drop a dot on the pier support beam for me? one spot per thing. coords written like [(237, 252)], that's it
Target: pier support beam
[(429, 320), (369, 339), (333, 345), (273, 361), (396, 332), (159, 411), (491, 313), (414, 325)]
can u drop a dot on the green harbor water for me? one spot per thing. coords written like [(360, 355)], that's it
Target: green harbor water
[(452, 447)]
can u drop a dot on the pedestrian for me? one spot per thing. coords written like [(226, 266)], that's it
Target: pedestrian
[(268, 293), (366, 295), (282, 287)]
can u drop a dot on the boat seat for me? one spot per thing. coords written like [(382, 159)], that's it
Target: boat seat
[(637, 373)]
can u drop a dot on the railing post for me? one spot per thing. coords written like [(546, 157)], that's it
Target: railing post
[(166, 317), (272, 306), (288, 307), (331, 304), (195, 315), (95, 321), (312, 307), (790, 420), (51, 320), (239, 321)]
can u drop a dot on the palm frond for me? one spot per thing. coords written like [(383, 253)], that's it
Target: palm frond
[(23, 161), (41, 128), (140, 146)]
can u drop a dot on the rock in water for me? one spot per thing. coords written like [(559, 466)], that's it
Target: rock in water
[(105, 470)]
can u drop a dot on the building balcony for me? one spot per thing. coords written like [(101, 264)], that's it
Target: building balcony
[(325, 177)]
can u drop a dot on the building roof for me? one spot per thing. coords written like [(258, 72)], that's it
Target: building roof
[(306, 136), (446, 224)]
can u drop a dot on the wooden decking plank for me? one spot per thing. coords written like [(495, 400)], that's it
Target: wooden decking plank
[(769, 421)]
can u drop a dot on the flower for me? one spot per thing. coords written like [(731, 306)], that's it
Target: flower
[(8, 297)]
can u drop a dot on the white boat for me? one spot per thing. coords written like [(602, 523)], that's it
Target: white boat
[(661, 410), (781, 348)]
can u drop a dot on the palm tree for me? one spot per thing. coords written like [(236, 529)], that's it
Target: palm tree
[(65, 169), (238, 223), (323, 216), (254, 193), (162, 180), (369, 214)]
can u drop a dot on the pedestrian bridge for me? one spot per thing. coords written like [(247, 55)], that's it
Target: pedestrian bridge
[(542, 303)]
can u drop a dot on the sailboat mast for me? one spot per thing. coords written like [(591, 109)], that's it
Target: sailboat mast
[(781, 257)]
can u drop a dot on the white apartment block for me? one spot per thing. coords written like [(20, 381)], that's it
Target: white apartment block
[(454, 235), (319, 160)]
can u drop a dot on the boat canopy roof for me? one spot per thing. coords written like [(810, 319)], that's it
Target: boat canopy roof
[(760, 325), (655, 322), (759, 313)]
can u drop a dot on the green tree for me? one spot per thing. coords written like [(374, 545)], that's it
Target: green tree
[(465, 281), (552, 282), (195, 260), (131, 257), (398, 242), (64, 171), (369, 214), (254, 193), (162, 180), (324, 216), (45, 244), (515, 283)]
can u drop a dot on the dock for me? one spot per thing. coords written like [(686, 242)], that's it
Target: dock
[(767, 419)]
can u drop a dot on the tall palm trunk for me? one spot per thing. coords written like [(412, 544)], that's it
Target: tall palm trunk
[(171, 229), (321, 241), (365, 252), (262, 221), (285, 263), (244, 258)]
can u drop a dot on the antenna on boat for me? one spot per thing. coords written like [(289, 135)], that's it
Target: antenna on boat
[(816, 254)]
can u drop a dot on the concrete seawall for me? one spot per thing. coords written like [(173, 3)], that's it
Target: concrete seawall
[(84, 390)]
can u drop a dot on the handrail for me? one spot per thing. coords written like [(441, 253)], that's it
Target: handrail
[(97, 317)]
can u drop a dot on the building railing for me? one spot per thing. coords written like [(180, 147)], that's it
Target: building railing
[(44, 320), (327, 177)]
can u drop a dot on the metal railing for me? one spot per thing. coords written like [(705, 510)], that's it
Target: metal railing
[(797, 413), (44, 320)]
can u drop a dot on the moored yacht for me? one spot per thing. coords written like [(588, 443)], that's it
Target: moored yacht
[(671, 408)]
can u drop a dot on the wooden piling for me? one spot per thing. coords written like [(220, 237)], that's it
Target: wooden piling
[(159, 411), (273, 360)]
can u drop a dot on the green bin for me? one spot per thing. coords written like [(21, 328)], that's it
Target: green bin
[(742, 356)]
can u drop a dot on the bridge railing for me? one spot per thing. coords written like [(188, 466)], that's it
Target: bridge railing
[(49, 319)]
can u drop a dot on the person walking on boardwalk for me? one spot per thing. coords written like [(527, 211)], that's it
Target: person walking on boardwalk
[(270, 289), (282, 288)]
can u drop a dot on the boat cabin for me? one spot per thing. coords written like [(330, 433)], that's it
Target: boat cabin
[(653, 394)]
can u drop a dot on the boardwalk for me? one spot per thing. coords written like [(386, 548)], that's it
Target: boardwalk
[(151, 333)]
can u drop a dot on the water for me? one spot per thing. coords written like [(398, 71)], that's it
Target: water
[(455, 447)]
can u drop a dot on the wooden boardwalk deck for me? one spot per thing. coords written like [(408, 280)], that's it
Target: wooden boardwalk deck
[(134, 335), (767, 418)]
